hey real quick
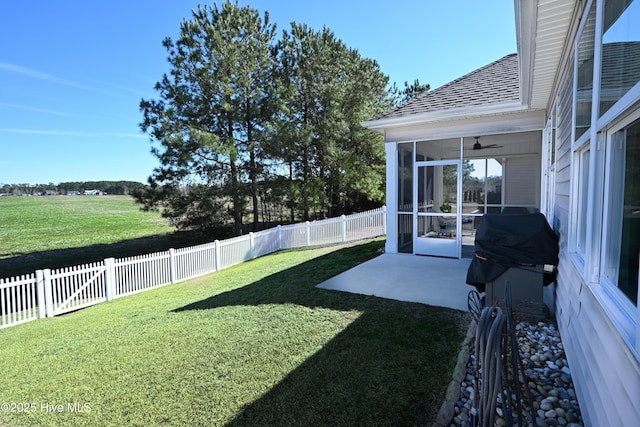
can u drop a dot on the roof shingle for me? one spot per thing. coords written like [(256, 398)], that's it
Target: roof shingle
[(496, 82)]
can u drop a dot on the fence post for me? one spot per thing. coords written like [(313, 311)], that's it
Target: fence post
[(279, 237), (172, 265), (109, 278), (343, 220), (384, 220), (308, 231), (48, 292), (216, 245), (251, 244), (40, 294)]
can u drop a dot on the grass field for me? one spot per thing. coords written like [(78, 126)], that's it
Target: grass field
[(56, 231), (253, 345), (35, 224)]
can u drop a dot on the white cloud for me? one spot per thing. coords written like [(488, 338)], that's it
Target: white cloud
[(38, 110), (30, 72), (52, 132)]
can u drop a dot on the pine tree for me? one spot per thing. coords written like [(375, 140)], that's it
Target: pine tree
[(210, 116)]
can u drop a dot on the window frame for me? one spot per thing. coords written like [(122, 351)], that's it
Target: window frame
[(581, 201), (619, 308), (627, 101), (595, 45), (624, 314), (549, 156), (586, 200), (622, 103)]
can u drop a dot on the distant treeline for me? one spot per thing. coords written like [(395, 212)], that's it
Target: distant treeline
[(65, 188)]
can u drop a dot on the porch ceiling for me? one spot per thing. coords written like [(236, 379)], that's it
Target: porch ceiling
[(423, 127)]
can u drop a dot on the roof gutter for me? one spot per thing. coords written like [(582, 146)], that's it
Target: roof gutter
[(526, 14), (450, 114)]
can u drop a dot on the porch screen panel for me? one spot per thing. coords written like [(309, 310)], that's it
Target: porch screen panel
[(522, 182), (405, 233), (405, 197), (405, 177), (482, 186)]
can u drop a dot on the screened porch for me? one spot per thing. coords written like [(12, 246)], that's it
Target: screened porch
[(445, 186)]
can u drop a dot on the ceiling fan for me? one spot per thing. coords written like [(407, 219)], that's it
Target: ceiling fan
[(478, 146)]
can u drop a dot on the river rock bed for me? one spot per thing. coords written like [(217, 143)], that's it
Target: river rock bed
[(547, 375)]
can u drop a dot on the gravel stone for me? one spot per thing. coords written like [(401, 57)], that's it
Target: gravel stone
[(546, 374)]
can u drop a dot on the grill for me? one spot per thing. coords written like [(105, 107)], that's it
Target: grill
[(521, 250)]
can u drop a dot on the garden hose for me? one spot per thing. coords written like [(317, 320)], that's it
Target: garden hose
[(488, 363), (517, 369)]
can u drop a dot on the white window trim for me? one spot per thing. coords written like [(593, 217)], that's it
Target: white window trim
[(584, 138), (576, 147), (628, 99), (619, 309), (548, 170), (624, 315), (580, 255), (587, 259), (624, 104), (546, 196)]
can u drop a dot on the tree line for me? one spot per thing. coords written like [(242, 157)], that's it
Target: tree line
[(252, 124), (63, 188)]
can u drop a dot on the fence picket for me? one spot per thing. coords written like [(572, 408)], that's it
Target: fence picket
[(18, 301), (51, 292)]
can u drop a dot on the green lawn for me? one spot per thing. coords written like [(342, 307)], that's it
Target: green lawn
[(252, 345), (59, 231), (34, 224)]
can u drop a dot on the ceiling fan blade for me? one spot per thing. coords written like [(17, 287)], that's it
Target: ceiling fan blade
[(483, 147), (477, 146)]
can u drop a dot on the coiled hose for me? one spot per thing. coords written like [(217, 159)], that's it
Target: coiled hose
[(488, 363)]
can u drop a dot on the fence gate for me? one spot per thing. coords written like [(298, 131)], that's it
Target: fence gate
[(77, 287)]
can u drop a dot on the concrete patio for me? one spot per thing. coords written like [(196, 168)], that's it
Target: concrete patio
[(428, 280)]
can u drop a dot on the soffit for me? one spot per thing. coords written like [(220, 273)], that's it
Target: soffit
[(551, 23)]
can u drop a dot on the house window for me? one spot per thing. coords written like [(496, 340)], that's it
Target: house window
[(582, 201), (584, 74), (620, 51), (623, 229)]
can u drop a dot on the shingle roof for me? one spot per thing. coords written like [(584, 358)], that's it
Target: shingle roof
[(496, 82)]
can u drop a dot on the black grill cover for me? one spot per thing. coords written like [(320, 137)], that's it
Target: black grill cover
[(505, 241)]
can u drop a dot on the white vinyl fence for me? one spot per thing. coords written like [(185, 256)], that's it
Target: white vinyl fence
[(47, 293)]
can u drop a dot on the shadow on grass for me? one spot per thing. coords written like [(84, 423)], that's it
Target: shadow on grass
[(390, 366), (28, 263)]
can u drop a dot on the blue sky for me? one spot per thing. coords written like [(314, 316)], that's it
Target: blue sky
[(73, 72)]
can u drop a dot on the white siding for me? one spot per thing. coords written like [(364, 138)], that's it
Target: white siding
[(605, 371)]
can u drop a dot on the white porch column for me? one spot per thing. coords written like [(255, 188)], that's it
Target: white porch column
[(391, 246)]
